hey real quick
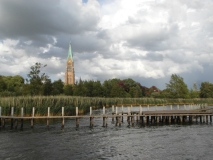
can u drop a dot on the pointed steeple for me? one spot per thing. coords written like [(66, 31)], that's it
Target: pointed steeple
[(70, 53)]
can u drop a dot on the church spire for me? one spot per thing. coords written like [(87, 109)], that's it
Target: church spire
[(70, 52)]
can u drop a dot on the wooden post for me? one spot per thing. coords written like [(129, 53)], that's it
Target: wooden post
[(133, 120), (128, 119), (122, 119), (62, 114), (91, 121), (113, 110), (169, 119), (148, 107), (91, 118), (104, 122), (157, 119), (181, 119), (204, 119), (170, 107), (196, 119), (48, 114), (184, 107), (33, 114), (155, 107), (129, 111), (22, 115), (178, 106), (116, 112), (103, 110), (136, 117), (141, 110), (144, 119), (0, 117), (12, 114), (119, 121), (77, 119)]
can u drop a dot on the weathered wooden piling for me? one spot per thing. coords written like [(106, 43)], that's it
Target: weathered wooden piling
[(77, 119), (122, 110), (32, 119), (62, 114), (169, 119), (113, 110), (91, 118), (104, 118), (48, 114), (22, 115), (133, 120), (158, 119), (181, 119), (0, 118), (12, 114), (144, 119)]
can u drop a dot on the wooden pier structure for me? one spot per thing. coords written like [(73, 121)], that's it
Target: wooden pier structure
[(195, 113)]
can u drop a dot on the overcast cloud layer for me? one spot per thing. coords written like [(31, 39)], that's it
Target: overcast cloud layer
[(145, 40)]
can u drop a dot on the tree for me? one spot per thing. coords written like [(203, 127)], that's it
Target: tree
[(206, 90), (57, 87), (68, 89), (176, 87), (36, 78), (194, 92), (47, 87), (3, 85)]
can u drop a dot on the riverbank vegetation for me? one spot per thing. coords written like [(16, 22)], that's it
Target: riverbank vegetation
[(40, 92), (41, 103)]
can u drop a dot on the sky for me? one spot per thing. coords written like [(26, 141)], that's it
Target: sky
[(146, 40)]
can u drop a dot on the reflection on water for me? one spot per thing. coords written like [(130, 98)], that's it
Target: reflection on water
[(188, 141)]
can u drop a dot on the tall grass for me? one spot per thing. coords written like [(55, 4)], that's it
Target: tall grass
[(41, 103)]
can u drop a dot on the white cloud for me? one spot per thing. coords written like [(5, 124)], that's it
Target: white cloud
[(119, 38)]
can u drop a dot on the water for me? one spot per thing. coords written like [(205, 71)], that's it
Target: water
[(174, 141)]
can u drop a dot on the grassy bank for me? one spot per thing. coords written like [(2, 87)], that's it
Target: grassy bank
[(41, 103)]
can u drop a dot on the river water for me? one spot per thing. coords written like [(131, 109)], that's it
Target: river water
[(164, 141)]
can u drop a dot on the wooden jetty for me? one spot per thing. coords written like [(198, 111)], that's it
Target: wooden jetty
[(194, 113)]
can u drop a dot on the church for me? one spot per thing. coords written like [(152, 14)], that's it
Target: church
[(70, 73)]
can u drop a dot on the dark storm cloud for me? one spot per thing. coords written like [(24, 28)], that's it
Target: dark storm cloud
[(36, 20)]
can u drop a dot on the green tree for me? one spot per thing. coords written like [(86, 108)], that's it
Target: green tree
[(206, 90), (36, 78), (57, 87), (68, 89), (47, 87), (110, 85), (194, 92), (97, 89), (3, 85), (176, 87)]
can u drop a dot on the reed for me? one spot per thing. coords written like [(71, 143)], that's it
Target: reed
[(41, 103)]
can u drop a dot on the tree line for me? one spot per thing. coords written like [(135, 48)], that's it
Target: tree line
[(38, 83)]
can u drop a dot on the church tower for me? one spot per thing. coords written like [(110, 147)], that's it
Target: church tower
[(70, 73)]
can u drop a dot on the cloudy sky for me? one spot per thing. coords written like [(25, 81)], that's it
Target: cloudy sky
[(146, 40)]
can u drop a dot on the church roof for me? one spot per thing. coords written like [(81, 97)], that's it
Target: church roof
[(70, 53)]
